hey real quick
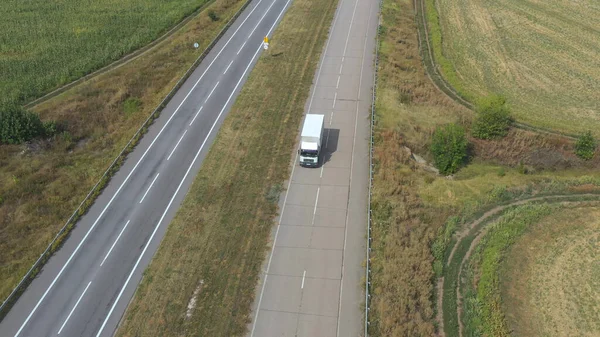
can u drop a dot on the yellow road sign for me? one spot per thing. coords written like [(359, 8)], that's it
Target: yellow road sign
[(266, 39)]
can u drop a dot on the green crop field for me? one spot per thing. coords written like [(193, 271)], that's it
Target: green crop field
[(46, 44), (543, 56)]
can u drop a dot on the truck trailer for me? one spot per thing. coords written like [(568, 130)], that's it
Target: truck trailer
[(310, 140)]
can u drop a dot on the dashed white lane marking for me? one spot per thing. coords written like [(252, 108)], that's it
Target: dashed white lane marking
[(211, 92), (196, 115), (303, 276), (316, 202), (114, 243), (242, 47), (338, 83), (148, 190), (176, 145), (75, 306), (334, 99), (228, 67)]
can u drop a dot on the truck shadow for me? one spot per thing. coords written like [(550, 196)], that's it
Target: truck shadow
[(331, 144)]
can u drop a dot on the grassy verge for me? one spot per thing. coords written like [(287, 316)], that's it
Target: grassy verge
[(202, 279), (408, 108), (41, 183)]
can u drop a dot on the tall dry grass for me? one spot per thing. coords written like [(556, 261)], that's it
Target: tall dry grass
[(408, 109)]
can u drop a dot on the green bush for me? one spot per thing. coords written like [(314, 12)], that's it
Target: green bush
[(131, 105), (18, 125), (493, 120), (449, 148), (585, 146), (212, 15)]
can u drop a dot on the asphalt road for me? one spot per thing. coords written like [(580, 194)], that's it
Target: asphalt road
[(311, 286), (84, 289)]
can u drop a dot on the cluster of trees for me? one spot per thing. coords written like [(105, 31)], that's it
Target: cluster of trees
[(450, 145)]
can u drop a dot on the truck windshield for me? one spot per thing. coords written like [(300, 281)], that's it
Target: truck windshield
[(308, 153)]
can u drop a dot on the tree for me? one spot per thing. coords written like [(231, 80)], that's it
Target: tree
[(585, 146), (493, 120), (449, 148)]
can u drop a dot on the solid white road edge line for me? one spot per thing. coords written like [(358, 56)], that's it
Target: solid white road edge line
[(149, 187), (114, 243), (182, 180), (362, 65), (290, 181), (72, 310), (127, 178), (176, 145)]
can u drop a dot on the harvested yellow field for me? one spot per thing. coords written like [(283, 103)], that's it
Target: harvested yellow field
[(542, 55)]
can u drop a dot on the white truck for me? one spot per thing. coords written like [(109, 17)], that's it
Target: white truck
[(310, 140)]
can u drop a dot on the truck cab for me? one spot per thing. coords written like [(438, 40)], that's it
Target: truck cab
[(310, 140)]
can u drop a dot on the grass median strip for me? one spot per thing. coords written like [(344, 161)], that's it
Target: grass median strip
[(202, 279)]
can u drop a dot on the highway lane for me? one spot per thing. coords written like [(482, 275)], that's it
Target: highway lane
[(312, 281), (85, 287)]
